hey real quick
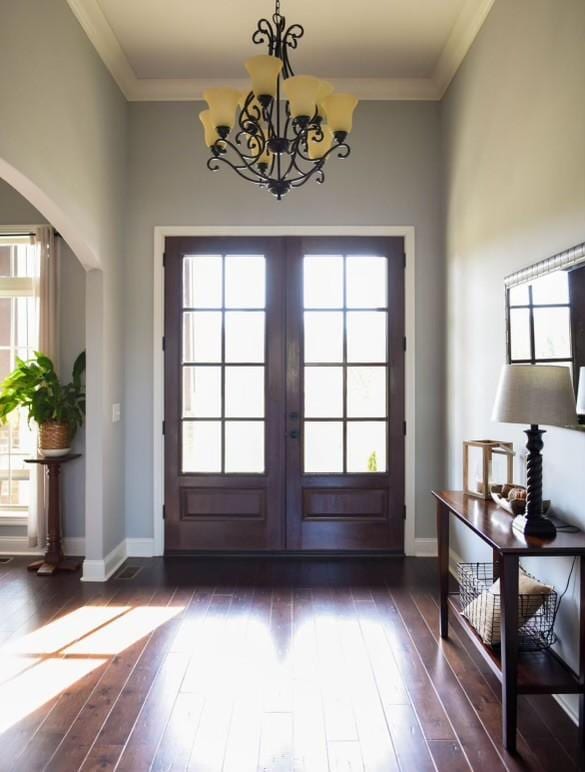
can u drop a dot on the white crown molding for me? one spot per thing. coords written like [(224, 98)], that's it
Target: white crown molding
[(465, 30), (96, 26)]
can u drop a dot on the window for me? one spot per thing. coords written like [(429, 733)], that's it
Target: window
[(539, 321), (18, 338)]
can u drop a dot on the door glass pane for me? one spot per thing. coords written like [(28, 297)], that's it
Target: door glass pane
[(244, 392), (202, 336), (520, 333), (366, 336), (323, 281), (323, 392), (366, 446), (202, 281), (202, 392), (244, 336), (552, 333), (245, 281), (244, 447), (323, 447), (201, 446), (366, 392), (323, 340), (551, 288), (366, 282)]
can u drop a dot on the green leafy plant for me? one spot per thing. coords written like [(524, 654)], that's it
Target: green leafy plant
[(373, 462), (34, 385)]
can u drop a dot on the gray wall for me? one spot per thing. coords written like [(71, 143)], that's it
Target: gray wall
[(63, 140), (514, 144), (391, 178)]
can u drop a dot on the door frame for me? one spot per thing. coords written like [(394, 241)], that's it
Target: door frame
[(407, 232)]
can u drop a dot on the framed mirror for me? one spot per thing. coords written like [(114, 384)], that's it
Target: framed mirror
[(545, 315)]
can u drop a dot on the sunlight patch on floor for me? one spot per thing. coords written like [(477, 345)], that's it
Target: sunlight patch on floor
[(37, 667)]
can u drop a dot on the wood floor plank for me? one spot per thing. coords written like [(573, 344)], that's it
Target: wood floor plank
[(473, 738), (239, 665)]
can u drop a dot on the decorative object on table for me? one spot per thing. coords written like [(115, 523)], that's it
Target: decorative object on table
[(53, 559), (512, 498), (281, 140), (58, 409), (479, 462), (480, 605), (535, 394), (581, 396)]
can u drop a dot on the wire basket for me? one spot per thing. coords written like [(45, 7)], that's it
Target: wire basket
[(480, 605)]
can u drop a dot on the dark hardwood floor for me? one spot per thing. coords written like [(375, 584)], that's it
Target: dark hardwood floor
[(252, 664)]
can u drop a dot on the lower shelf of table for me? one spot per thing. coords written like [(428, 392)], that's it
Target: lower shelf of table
[(539, 672)]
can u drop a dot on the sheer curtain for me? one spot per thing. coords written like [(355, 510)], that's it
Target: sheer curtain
[(45, 287)]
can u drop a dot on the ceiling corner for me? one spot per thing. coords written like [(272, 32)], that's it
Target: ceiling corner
[(465, 30), (95, 25)]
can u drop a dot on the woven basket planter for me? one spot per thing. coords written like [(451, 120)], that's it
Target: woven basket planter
[(54, 438)]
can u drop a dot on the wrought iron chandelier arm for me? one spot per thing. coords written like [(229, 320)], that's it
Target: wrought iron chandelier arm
[(213, 165)]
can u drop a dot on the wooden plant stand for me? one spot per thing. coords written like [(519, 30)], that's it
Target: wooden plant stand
[(54, 559)]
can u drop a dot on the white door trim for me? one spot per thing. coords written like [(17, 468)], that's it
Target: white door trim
[(162, 232)]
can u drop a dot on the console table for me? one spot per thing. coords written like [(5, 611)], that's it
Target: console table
[(54, 560), (519, 672)]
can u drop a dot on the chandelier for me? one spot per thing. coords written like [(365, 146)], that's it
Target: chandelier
[(277, 143)]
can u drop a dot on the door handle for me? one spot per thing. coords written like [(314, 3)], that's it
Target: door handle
[(294, 435)]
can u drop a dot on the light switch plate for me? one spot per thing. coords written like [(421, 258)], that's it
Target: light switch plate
[(115, 412)]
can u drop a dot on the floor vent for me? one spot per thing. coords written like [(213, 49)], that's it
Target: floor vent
[(129, 572), (5, 560)]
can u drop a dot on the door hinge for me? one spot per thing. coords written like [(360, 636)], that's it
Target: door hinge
[(403, 512), (404, 259), (163, 427), (403, 343), (164, 511), (164, 259), (404, 428), (164, 343)]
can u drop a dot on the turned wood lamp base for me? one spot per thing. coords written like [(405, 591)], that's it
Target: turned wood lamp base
[(533, 522), (54, 562)]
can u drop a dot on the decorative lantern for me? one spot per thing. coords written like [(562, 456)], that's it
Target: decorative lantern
[(485, 462)]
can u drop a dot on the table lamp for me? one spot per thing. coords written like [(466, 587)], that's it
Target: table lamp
[(581, 396), (535, 394)]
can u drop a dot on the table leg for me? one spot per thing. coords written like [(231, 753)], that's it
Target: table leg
[(509, 636), (581, 729), (496, 564), (443, 549)]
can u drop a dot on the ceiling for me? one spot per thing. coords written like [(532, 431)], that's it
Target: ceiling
[(381, 49)]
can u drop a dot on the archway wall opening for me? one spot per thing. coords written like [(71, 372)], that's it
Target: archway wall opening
[(63, 147)]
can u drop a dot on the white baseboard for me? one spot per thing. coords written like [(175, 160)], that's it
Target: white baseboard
[(101, 570), (570, 710), (140, 548), (17, 545), (425, 548)]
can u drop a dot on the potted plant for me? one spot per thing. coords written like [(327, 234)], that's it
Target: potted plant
[(58, 409)]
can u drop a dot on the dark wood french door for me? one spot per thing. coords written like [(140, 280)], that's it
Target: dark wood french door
[(284, 394)]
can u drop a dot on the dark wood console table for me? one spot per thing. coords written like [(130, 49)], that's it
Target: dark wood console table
[(54, 559), (519, 672)]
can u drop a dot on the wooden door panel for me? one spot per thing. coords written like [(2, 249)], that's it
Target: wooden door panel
[(359, 503), (208, 505)]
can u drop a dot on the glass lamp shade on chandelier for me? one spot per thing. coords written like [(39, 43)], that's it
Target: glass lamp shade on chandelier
[(274, 142)]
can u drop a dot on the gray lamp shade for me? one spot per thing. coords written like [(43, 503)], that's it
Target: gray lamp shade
[(581, 392), (535, 394)]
